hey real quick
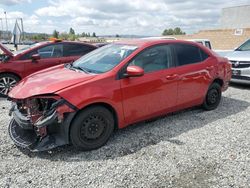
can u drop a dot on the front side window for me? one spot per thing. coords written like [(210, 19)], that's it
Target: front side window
[(245, 46), (51, 51), (104, 58), (154, 59), (189, 54), (28, 55)]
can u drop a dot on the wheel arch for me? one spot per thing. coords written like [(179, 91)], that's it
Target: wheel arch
[(103, 104), (218, 81), (11, 73)]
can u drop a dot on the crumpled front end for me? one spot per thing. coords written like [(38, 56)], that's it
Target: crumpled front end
[(40, 123)]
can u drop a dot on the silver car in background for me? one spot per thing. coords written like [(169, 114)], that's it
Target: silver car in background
[(240, 59)]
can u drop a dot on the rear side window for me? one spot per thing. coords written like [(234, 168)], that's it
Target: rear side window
[(207, 44), (76, 49), (187, 54)]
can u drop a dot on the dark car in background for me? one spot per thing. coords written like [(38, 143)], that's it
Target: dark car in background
[(16, 65)]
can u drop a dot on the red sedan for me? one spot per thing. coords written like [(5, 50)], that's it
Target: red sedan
[(16, 65), (113, 87)]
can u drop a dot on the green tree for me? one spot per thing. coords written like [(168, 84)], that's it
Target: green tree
[(93, 35), (117, 36), (83, 34), (72, 31), (55, 34), (175, 31), (72, 37), (64, 36)]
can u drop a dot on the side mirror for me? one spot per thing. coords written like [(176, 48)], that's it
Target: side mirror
[(134, 71), (35, 57)]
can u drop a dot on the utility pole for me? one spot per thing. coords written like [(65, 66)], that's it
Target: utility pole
[(1, 27), (7, 30), (22, 29), (1, 24)]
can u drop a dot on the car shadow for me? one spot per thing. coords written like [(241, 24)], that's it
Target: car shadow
[(240, 86), (133, 138)]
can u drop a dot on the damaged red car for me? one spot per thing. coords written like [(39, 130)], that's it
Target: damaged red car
[(112, 87)]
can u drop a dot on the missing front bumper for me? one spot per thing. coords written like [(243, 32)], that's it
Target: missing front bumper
[(39, 127), (23, 133), (25, 138), (28, 139)]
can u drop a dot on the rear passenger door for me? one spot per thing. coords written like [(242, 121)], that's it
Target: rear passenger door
[(193, 66)]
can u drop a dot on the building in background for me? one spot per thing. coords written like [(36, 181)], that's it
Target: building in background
[(233, 30), (235, 17)]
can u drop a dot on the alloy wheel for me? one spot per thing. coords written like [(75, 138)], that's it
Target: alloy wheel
[(6, 84)]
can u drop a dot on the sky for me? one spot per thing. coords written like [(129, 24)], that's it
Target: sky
[(110, 17)]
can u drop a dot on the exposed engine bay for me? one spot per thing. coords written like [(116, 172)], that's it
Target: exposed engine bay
[(37, 120)]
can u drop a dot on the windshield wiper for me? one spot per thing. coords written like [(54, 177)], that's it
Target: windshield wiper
[(85, 70), (71, 67), (81, 69)]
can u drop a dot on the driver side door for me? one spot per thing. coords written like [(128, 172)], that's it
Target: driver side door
[(50, 56), (154, 92)]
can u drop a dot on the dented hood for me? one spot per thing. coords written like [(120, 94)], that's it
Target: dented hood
[(48, 81), (6, 50)]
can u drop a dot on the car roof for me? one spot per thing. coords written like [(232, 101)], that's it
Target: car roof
[(148, 42), (44, 43)]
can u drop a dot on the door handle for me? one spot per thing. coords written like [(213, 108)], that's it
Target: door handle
[(209, 68), (172, 77)]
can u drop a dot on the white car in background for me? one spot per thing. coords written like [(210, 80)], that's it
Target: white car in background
[(204, 42), (240, 60)]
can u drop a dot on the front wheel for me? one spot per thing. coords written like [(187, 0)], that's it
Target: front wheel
[(7, 82), (213, 97), (92, 128)]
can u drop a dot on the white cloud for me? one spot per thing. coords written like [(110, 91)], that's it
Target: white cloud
[(146, 17)]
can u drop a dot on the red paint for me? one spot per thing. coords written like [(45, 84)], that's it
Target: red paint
[(22, 68), (132, 98)]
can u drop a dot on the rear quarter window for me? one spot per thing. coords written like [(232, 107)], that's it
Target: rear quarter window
[(188, 54)]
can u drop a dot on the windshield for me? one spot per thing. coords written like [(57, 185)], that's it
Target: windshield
[(245, 46), (26, 48), (104, 58)]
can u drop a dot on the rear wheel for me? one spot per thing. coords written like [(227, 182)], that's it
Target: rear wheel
[(213, 97), (7, 82), (92, 128)]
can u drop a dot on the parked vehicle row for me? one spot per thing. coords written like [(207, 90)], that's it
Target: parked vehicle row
[(14, 66), (112, 87)]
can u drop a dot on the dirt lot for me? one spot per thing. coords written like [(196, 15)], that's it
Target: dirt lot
[(192, 148)]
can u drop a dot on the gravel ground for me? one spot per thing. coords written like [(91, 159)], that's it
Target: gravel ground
[(192, 148)]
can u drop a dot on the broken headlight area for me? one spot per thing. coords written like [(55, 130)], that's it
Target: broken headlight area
[(38, 122)]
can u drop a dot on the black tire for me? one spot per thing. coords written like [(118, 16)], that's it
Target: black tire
[(7, 82), (92, 128), (213, 97)]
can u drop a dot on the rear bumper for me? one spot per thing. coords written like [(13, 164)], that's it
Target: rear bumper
[(24, 134)]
